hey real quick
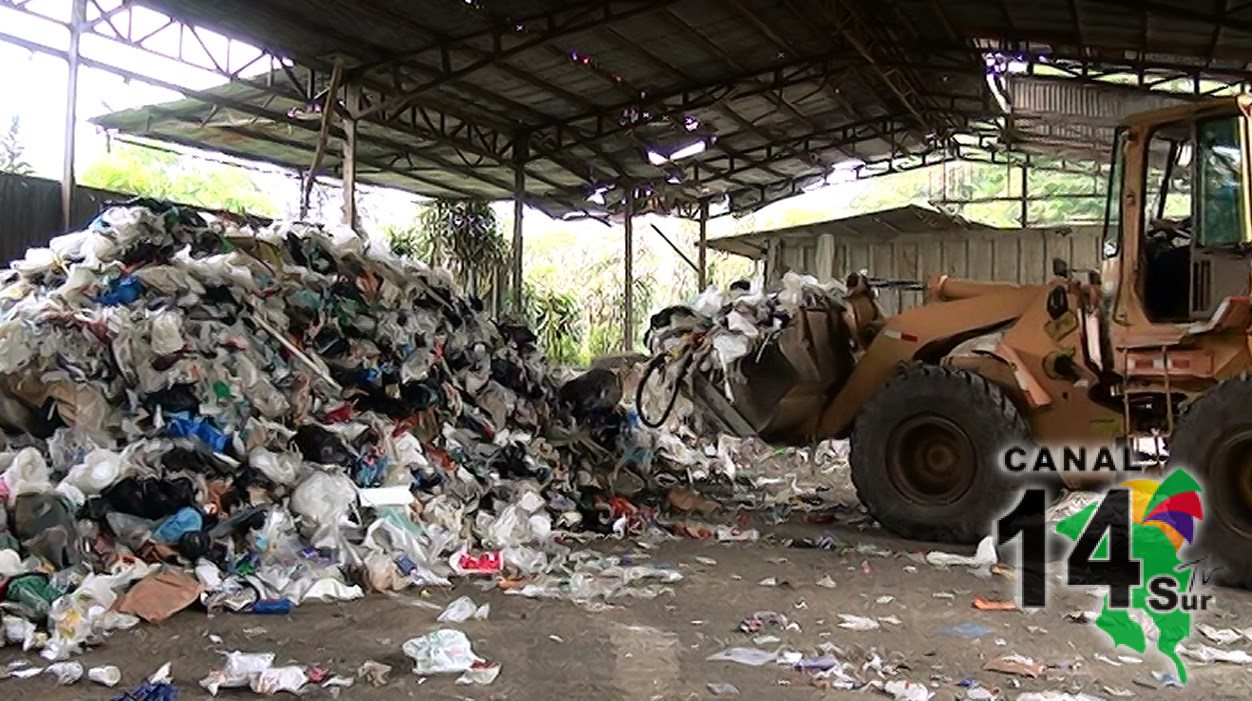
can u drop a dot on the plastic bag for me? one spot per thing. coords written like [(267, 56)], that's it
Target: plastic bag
[(331, 589), (66, 672), (744, 655), (278, 679), (279, 468), (237, 671), (441, 652), (27, 474), (324, 500), (462, 610), (984, 558), (167, 332), (99, 470)]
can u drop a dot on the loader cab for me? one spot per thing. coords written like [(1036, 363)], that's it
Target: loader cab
[(1178, 236)]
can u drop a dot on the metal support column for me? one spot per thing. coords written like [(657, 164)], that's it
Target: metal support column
[(702, 274), (628, 313), (520, 155), (78, 19), (352, 100)]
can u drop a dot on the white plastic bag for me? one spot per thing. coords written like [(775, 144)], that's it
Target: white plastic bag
[(99, 470), (279, 468), (66, 672), (237, 671), (278, 679), (462, 610), (323, 500), (442, 652), (27, 474)]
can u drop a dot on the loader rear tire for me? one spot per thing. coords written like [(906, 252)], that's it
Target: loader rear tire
[(925, 453), (1213, 440)]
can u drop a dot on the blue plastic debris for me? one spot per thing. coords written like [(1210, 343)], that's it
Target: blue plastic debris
[(150, 691), (185, 520), (969, 631), (124, 290), (183, 425)]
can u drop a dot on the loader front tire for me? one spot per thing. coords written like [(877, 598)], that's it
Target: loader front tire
[(925, 454), (1213, 441)]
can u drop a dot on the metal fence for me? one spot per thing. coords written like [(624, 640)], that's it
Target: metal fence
[(1007, 255), (30, 211)]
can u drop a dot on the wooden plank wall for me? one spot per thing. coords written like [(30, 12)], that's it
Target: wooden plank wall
[(1022, 256)]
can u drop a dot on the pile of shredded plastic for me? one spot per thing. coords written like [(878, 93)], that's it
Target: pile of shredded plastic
[(201, 414)]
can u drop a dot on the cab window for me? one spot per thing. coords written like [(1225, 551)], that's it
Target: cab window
[(1220, 211)]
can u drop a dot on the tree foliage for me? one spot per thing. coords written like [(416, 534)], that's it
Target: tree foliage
[(463, 236), (151, 173), (12, 151), (556, 318)]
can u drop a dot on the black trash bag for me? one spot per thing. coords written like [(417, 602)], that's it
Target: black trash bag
[(190, 459), (179, 398), (318, 445), (597, 389), (150, 497)]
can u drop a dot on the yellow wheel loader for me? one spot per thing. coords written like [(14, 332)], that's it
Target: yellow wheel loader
[(1155, 344)]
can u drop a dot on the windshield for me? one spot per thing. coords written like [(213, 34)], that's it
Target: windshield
[(1113, 204)]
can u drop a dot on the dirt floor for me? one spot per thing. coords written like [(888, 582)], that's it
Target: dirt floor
[(657, 649)]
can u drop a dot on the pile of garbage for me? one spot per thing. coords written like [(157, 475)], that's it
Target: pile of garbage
[(739, 321), (199, 412)]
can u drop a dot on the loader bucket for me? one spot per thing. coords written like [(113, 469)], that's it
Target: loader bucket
[(776, 392)]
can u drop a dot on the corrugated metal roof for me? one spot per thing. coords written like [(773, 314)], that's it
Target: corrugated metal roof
[(1073, 119), (780, 91), (901, 221)]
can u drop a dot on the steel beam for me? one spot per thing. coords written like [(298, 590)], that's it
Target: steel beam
[(519, 208), (78, 18), (555, 31), (702, 276), (628, 274)]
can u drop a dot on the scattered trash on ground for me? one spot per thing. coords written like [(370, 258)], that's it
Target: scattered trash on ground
[(1221, 636), (106, 675), (462, 610), (1206, 654), (985, 604), (441, 652), (968, 631), (744, 655), (374, 673), (858, 623), (1015, 664), (904, 690), (981, 561)]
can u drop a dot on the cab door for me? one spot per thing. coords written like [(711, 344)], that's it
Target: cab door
[(1222, 206)]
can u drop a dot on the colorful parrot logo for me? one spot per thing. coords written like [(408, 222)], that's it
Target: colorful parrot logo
[(1172, 505)]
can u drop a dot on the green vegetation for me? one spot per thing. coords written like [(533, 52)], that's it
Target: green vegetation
[(12, 152), (169, 176)]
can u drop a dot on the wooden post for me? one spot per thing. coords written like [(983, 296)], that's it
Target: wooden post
[(702, 275), (628, 316), (78, 18), (1024, 215), (520, 156), (328, 114), (352, 99)]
